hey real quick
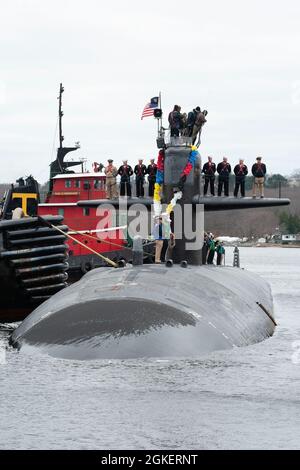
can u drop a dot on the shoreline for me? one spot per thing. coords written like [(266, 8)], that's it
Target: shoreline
[(267, 245)]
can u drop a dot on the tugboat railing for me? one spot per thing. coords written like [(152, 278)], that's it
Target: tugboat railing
[(7, 198)]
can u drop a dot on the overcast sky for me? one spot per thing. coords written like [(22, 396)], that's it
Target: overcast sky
[(237, 59)]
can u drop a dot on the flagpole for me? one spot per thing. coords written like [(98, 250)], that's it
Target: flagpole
[(158, 118), (160, 108)]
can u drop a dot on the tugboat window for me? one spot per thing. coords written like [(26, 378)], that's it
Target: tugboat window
[(86, 211), (68, 183), (17, 202), (86, 185), (61, 211), (31, 207), (96, 184), (77, 183)]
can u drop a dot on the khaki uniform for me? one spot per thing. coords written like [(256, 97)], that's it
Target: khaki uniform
[(200, 121), (161, 232), (259, 171), (259, 184), (111, 182)]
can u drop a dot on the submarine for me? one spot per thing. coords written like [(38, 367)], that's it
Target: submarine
[(179, 308)]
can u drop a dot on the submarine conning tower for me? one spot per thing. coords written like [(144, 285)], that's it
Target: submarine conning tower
[(176, 157)]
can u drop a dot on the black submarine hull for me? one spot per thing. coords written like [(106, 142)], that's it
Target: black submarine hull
[(151, 311)]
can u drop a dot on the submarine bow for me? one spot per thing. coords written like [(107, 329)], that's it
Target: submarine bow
[(151, 311)]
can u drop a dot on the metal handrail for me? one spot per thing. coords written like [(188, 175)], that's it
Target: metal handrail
[(181, 141)]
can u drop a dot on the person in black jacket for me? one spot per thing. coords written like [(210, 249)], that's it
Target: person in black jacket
[(191, 119), (151, 171), (205, 247), (240, 171), (259, 171), (125, 171), (140, 171), (209, 170), (224, 170), (175, 121)]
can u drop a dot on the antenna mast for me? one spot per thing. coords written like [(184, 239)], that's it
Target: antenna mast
[(60, 115), (59, 166)]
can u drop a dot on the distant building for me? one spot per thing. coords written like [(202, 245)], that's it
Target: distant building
[(229, 241), (290, 238)]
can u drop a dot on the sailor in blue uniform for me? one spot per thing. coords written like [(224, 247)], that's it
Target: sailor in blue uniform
[(224, 170), (240, 171), (151, 171), (140, 171), (209, 170), (125, 171)]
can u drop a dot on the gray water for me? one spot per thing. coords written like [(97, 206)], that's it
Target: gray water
[(247, 398)]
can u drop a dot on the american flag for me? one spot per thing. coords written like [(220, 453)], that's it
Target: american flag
[(150, 107)]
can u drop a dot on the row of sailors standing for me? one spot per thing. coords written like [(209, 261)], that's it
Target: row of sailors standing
[(223, 169), (125, 171), (209, 170)]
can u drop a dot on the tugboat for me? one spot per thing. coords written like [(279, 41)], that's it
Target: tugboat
[(174, 309), (66, 188), (34, 255)]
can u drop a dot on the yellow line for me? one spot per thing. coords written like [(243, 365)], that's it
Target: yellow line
[(107, 260)]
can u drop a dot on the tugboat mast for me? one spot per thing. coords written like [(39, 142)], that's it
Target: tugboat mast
[(59, 166)]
